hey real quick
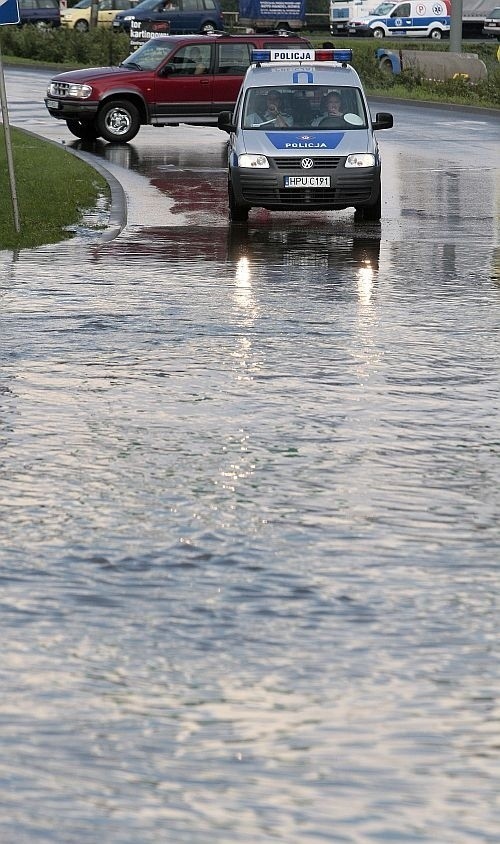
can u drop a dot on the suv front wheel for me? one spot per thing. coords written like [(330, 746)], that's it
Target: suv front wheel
[(118, 121), (84, 129)]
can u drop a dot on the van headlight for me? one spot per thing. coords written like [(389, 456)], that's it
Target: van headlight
[(247, 160), (360, 159)]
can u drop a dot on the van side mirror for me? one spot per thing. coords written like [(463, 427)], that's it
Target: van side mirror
[(383, 120), (225, 121)]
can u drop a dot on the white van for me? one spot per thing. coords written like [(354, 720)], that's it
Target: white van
[(417, 19), (302, 137)]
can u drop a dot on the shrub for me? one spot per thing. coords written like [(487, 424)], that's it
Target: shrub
[(65, 46)]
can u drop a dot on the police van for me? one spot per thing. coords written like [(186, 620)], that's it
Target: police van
[(415, 19), (302, 137)]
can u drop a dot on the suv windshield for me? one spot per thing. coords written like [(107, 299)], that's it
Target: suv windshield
[(304, 107), (149, 56)]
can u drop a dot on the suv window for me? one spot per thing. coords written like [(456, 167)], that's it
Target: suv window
[(191, 61), (234, 58)]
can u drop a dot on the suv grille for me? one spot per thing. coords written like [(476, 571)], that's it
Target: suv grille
[(59, 89)]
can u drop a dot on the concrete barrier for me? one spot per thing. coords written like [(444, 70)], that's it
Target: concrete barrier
[(433, 64)]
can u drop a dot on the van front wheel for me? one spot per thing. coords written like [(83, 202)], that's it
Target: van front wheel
[(378, 33), (369, 213), (237, 213)]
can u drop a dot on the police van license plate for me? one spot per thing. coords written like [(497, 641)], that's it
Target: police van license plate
[(307, 181)]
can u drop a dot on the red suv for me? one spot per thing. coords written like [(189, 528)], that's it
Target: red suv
[(169, 80)]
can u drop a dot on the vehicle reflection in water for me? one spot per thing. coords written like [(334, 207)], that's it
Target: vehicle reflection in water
[(176, 172), (337, 250), (328, 254)]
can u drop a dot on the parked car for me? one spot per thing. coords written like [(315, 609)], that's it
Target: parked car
[(39, 13), (492, 24), (169, 80), (183, 16), (78, 16)]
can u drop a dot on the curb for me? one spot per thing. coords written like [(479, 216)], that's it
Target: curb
[(118, 210), (118, 201)]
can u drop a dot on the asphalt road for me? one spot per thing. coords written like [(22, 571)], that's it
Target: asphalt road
[(440, 171)]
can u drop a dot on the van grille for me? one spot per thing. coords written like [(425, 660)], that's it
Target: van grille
[(320, 163)]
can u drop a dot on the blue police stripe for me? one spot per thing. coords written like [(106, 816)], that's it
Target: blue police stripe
[(304, 141)]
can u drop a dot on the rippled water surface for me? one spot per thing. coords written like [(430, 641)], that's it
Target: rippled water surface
[(249, 498)]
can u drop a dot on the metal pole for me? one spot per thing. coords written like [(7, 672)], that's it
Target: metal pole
[(94, 12), (8, 147), (456, 26)]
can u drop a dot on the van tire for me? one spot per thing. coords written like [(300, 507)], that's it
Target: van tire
[(369, 213), (208, 28), (378, 32), (435, 35), (237, 213), (118, 121)]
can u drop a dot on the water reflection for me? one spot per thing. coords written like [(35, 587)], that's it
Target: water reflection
[(336, 249), (249, 496)]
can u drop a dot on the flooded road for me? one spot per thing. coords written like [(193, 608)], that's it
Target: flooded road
[(249, 507)]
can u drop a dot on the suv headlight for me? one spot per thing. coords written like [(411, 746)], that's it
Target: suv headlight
[(360, 159), (247, 160), (57, 89)]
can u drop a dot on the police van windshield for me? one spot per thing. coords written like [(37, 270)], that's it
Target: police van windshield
[(304, 107), (383, 9)]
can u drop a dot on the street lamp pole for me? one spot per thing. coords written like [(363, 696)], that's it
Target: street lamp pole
[(456, 26)]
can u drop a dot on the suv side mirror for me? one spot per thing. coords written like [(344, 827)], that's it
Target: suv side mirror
[(166, 70), (383, 120), (225, 121)]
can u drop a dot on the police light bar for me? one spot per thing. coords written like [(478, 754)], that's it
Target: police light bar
[(289, 54)]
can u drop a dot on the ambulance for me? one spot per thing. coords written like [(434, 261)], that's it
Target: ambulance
[(301, 137), (417, 19)]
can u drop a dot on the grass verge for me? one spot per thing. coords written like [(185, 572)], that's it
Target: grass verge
[(54, 190)]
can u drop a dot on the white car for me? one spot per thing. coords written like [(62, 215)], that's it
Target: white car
[(492, 24), (302, 137)]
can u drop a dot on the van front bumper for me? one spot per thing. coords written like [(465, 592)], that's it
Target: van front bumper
[(360, 29), (266, 189)]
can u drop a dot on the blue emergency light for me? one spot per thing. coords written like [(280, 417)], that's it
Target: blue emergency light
[(299, 54)]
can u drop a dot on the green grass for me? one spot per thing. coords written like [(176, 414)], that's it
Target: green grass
[(54, 189)]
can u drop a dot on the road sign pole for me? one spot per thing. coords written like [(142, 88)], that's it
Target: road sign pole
[(8, 147)]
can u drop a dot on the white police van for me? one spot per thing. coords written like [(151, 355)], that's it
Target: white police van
[(302, 137), (415, 19)]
